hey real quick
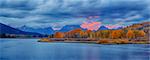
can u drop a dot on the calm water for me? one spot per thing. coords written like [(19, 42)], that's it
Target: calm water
[(30, 49)]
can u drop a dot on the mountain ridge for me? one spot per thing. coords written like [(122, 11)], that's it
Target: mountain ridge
[(5, 29), (47, 30)]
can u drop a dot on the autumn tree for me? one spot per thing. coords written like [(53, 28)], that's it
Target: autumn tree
[(92, 35), (97, 34), (85, 35), (74, 33), (82, 34), (117, 34), (139, 33), (142, 33), (88, 33), (59, 35), (130, 34), (104, 34)]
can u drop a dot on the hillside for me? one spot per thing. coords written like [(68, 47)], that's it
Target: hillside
[(139, 26), (5, 29)]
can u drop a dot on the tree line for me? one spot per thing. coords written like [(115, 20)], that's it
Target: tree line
[(111, 34)]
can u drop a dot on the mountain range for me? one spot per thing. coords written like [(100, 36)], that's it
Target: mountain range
[(69, 27), (5, 29), (31, 31), (47, 30), (72, 27)]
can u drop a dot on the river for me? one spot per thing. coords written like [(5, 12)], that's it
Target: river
[(30, 49)]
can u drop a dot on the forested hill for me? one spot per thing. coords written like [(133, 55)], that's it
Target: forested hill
[(139, 26)]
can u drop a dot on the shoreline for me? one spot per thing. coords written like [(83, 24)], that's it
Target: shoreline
[(93, 43), (115, 41)]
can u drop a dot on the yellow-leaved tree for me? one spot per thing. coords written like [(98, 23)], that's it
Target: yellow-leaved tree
[(130, 34), (141, 33)]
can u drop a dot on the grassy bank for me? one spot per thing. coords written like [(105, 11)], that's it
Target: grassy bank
[(121, 41), (102, 41)]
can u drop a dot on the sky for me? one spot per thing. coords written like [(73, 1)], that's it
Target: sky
[(58, 13)]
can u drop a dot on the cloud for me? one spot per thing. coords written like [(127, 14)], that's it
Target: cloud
[(13, 13), (91, 25), (113, 26), (21, 4), (45, 13), (133, 17)]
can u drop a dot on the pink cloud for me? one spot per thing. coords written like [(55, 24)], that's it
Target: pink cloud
[(91, 25)]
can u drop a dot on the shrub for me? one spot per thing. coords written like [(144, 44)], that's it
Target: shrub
[(102, 41), (45, 40), (124, 41), (116, 41)]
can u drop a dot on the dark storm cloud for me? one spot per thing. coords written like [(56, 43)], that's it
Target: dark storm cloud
[(63, 12)]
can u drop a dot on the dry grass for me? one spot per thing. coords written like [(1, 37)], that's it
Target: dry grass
[(115, 41), (45, 40), (103, 41)]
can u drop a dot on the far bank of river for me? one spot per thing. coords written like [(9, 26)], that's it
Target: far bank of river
[(98, 41)]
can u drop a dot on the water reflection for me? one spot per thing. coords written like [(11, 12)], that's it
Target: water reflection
[(29, 49)]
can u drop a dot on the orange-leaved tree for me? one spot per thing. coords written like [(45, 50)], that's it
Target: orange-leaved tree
[(115, 34), (59, 35), (88, 33), (142, 33), (130, 34), (139, 33)]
